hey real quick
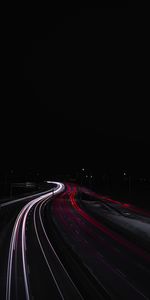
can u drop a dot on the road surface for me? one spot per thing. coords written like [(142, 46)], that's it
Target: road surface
[(58, 250)]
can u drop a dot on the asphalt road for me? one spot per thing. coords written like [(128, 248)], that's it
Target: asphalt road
[(116, 263), (45, 276), (57, 250)]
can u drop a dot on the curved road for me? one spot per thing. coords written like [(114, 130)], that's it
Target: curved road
[(58, 251)]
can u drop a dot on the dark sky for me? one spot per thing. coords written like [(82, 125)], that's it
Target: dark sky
[(72, 92)]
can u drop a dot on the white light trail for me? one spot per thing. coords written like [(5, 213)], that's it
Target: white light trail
[(21, 222)]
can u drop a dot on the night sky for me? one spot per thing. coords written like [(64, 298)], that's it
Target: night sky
[(73, 93)]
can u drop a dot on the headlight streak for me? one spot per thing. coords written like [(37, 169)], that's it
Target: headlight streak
[(21, 221), (24, 198), (46, 257), (60, 262)]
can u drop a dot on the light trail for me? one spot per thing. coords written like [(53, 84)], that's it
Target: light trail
[(73, 290), (65, 216), (20, 226), (27, 198), (114, 236)]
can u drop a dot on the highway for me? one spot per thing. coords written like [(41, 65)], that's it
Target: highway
[(59, 250), (116, 263), (18, 286)]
